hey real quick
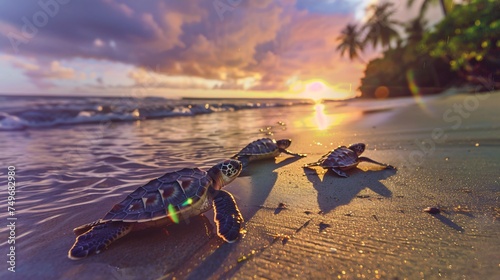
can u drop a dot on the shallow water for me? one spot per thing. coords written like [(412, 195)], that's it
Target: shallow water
[(71, 175), (28, 112)]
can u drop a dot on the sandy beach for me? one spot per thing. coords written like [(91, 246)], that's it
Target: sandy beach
[(368, 226)]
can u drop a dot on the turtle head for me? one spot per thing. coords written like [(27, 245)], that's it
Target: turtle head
[(358, 148), (284, 143), (225, 172)]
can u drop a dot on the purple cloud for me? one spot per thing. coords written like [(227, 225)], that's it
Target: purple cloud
[(266, 42)]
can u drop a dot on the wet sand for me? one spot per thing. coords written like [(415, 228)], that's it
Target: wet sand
[(370, 225)]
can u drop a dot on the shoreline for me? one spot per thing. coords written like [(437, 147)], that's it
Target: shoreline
[(369, 225)]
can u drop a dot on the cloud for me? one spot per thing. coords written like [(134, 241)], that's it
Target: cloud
[(44, 75), (258, 45), (148, 79)]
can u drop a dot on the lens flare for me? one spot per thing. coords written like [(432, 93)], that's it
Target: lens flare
[(188, 201), (416, 92), (173, 214)]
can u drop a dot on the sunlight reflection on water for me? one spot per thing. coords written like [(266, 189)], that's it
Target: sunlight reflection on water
[(325, 116)]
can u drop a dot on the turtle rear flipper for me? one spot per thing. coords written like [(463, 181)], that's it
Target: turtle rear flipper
[(292, 153), (339, 172), (98, 238), (227, 216), (375, 162)]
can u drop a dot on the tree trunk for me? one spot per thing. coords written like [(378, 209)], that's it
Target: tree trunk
[(443, 7)]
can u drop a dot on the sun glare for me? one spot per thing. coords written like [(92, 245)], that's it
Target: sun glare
[(326, 115), (322, 120), (318, 90)]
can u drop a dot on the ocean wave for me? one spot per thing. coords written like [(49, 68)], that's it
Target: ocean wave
[(35, 112)]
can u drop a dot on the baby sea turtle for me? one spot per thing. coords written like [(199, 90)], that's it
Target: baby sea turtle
[(264, 148), (169, 199), (344, 158)]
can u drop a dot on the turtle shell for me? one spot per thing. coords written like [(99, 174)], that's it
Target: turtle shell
[(341, 157), (261, 147), (165, 196)]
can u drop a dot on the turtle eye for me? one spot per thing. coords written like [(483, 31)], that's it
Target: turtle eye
[(228, 168)]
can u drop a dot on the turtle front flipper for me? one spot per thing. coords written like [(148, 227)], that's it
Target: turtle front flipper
[(227, 216), (98, 238), (339, 172), (375, 162), (292, 153)]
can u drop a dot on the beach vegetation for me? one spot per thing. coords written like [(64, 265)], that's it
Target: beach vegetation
[(350, 42), (380, 26), (446, 5), (468, 39), (462, 49)]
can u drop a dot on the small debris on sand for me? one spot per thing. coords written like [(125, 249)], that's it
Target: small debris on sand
[(247, 256), (280, 236), (303, 226), (462, 209), (282, 205), (323, 226), (432, 210)]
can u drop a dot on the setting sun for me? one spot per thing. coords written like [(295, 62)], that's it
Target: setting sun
[(317, 90)]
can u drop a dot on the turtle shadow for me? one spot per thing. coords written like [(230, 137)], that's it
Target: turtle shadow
[(155, 252), (334, 191), (205, 263), (264, 165), (262, 180)]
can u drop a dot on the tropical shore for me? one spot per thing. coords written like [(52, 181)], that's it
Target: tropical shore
[(372, 225), (300, 223)]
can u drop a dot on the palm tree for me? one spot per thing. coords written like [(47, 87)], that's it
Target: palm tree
[(415, 30), (445, 5), (380, 25), (350, 42)]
